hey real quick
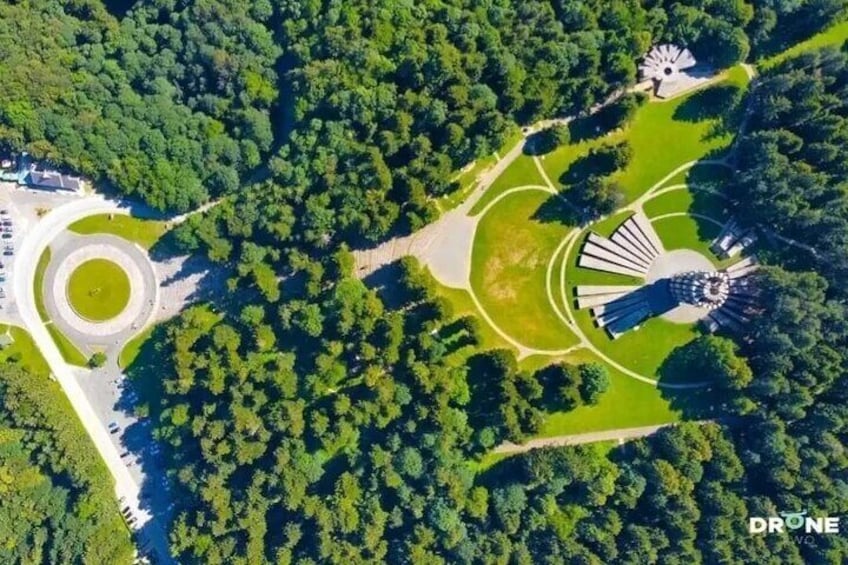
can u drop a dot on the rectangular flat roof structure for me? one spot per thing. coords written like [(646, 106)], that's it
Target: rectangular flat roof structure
[(621, 325), (747, 261), (622, 252), (632, 232), (39, 175), (621, 239), (597, 299), (620, 304), (644, 225), (52, 179)]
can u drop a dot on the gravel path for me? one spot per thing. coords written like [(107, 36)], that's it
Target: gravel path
[(620, 435)]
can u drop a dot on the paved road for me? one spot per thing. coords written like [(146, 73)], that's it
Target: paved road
[(32, 246)]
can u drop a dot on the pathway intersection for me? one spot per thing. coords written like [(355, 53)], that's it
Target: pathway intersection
[(445, 247)]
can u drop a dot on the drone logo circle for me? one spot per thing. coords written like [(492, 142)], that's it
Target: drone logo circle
[(793, 520)]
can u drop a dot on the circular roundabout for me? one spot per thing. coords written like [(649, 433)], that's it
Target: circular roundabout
[(99, 289)]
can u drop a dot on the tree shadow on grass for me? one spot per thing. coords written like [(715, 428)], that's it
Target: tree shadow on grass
[(384, 281), (455, 337), (592, 126), (714, 177), (694, 403), (707, 231), (709, 103), (166, 247), (505, 472), (556, 210), (538, 144), (592, 164), (722, 104)]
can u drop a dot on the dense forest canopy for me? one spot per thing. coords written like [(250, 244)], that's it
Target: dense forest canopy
[(307, 419), (368, 107), (369, 455), (56, 499)]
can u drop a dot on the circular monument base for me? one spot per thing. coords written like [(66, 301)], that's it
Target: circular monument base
[(672, 263)]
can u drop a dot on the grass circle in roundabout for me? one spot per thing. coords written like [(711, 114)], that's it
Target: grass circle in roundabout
[(98, 290)]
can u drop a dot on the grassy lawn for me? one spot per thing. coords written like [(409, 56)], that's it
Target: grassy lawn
[(463, 306), (69, 351), (512, 247), (144, 232), (642, 350), (521, 172), (661, 141), (23, 348), (38, 284), (834, 35), (627, 404), (686, 232), (98, 290), (133, 347), (687, 200)]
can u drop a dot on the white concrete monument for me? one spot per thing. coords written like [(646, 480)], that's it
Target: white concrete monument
[(701, 288), (668, 66)]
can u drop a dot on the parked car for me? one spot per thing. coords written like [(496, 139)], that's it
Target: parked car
[(7, 235), (4, 212)]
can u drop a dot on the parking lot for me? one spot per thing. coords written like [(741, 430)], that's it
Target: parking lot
[(11, 224), (20, 208)]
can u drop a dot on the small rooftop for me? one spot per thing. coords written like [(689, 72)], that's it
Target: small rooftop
[(40, 175)]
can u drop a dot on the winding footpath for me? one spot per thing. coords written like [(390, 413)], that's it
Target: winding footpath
[(33, 244)]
